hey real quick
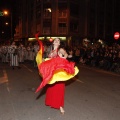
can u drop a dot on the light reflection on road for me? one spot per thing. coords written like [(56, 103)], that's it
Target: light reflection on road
[(4, 79)]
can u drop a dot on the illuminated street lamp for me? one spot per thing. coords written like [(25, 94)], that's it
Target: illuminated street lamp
[(6, 23), (5, 12)]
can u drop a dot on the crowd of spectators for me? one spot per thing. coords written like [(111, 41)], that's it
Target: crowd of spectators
[(103, 57), (107, 57)]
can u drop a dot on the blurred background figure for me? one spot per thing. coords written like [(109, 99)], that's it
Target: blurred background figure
[(13, 53)]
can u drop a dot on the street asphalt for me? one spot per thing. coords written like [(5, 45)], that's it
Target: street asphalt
[(92, 95)]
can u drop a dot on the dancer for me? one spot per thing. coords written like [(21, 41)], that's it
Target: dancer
[(55, 71)]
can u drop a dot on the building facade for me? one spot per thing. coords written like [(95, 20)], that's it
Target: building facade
[(72, 19)]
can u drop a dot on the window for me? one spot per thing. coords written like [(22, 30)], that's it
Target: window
[(47, 12), (38, 14), (62, 13), (46, 30), (62, 24), (62, 29), (74, 27), (38, 11), (74, 10), (38, 1)]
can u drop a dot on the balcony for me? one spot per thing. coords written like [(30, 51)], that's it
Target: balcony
[(46, 30), (62, 30)]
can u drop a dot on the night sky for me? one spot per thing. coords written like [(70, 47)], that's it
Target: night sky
[(10, 6), (5, 4)]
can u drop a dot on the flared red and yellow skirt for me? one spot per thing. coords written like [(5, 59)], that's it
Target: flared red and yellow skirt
[(56, 69)]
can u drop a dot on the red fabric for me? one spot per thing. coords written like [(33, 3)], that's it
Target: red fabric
[(47, 69), (40, 43), (55, 95), (41, 46)]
